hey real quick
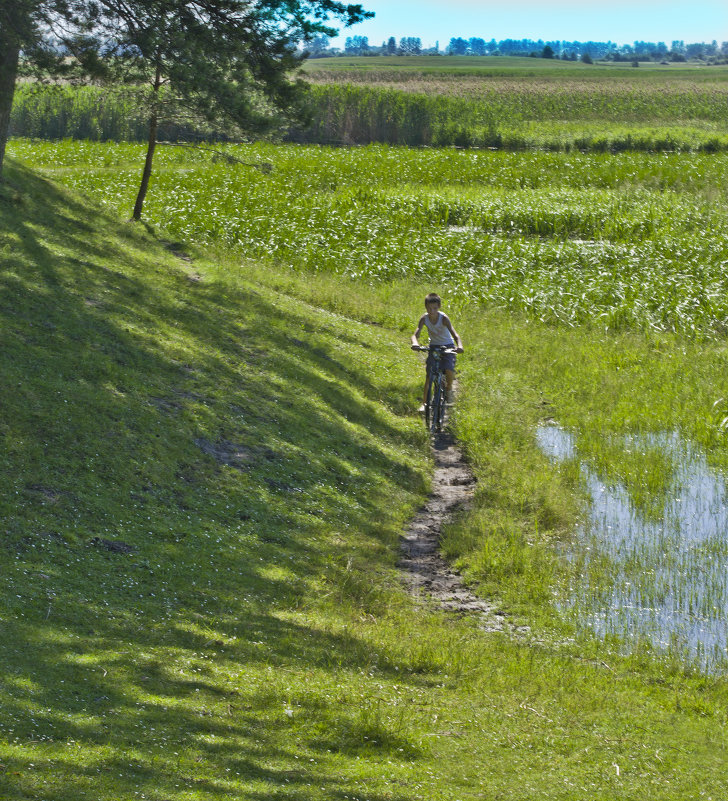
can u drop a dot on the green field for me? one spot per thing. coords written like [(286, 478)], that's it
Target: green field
[(228, 390), (502, 103), (628, 241), (490, 66), (519, 103)]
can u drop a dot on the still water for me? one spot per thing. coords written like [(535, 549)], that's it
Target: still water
[(663, 579)]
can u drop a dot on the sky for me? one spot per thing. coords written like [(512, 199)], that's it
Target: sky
[(619, 21)]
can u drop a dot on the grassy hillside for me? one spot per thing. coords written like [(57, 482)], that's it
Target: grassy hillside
[(187, 465), (203, 480)]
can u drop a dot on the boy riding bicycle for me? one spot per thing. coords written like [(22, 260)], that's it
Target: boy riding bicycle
[(441, 332)]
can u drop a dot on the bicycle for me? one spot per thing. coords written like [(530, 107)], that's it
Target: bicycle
[(435, 402)]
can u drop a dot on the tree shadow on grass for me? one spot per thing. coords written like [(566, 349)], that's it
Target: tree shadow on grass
[(119, 369), (135, 712), (98, 335)]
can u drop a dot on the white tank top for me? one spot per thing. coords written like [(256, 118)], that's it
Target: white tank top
[(439, 334)]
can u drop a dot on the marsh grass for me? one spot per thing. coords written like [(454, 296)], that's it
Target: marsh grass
[(610, 116), (665, 564), (516, 542)]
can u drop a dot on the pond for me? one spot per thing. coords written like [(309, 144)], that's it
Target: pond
[(661, 577)]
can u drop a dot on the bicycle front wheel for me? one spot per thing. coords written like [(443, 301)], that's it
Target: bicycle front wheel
[(428, 403), (437, 406), (441, 410)]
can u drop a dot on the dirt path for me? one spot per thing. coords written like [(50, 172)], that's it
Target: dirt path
[(425, 572)]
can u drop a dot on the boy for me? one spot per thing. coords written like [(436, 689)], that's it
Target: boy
[(441, 332)]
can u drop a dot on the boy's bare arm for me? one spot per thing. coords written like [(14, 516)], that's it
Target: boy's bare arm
[(455, 335), (415, 341)]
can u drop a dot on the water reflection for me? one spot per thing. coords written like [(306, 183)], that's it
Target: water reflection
[(663, 578)]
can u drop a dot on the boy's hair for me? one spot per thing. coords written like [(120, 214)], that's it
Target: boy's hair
[(433, 297)]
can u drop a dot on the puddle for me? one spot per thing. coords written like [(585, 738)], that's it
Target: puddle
[(664, 579)]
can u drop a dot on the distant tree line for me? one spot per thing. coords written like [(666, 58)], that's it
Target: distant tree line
[(638, 51)]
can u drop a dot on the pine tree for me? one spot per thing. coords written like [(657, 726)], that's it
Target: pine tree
[(225, 60)]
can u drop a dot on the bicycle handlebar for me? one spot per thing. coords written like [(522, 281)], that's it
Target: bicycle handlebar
[(426, 348)]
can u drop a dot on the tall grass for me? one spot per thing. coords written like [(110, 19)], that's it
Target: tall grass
[(360, 115), (503, 114), (78, 112), (555, 97), (97, 114)]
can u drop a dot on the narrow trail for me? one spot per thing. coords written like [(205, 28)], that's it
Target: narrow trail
[(425, 572)]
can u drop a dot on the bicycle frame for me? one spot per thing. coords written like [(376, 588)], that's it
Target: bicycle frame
[(435, 402)]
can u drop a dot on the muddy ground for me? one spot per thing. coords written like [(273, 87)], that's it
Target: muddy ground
[(425, 572)]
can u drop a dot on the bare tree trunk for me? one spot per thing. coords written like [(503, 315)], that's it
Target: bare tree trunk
[(9, 54), (151, 145)]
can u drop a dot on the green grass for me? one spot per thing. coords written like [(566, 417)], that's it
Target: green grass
[(607, 390), (218, 431), (256, 643), (623, 242)]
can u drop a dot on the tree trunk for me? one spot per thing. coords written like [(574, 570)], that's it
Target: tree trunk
[(9, 54), (151, 145)]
